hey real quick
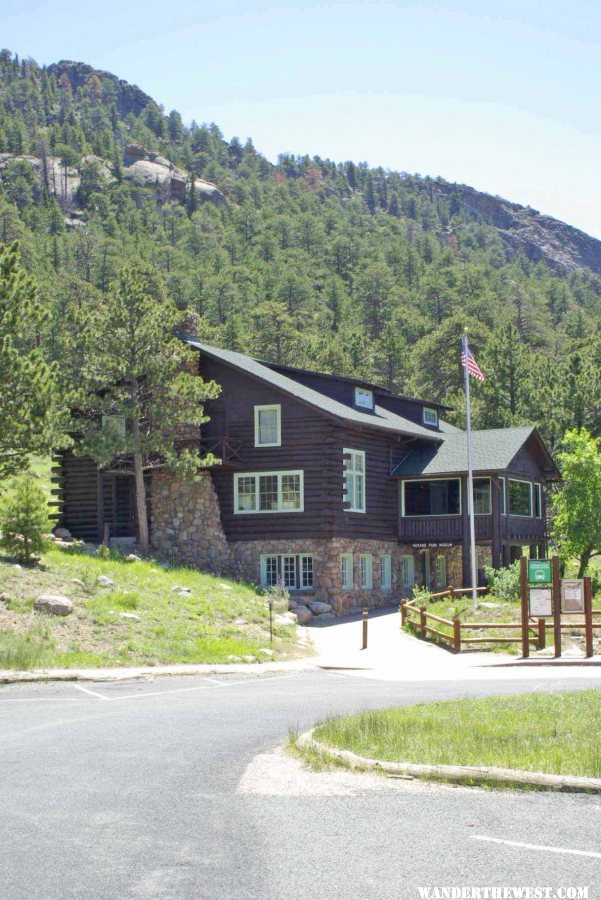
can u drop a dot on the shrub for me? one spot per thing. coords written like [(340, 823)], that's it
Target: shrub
[(421, 595), (504, 583), (24, 521)]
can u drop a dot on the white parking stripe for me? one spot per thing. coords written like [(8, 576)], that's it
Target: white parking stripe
[(79, 687), (543, 847)]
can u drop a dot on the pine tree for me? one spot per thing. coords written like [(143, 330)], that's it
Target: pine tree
[(33, 416), (138, 371)]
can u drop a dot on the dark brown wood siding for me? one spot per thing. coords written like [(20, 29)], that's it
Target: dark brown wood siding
[(308, 443), (77, 482)]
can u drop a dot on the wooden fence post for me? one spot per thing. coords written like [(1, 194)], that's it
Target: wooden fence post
[(524, 610), (422, 620), (588, 617), (542, 635), (403, 612), (457, 635), (556, 606)]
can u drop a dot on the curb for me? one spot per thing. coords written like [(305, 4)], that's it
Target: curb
[(457, 774), (130, 674)]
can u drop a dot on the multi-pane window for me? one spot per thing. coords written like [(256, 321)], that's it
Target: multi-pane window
[(306, 571), (439, 497), (346, 570), (291, 570), (385, 573), (430, 416), (502, 506), (354, 480), (538, 501), (262, 492), (408, 571), (365, 570), (482, 496), (268, 426), (520, 498)]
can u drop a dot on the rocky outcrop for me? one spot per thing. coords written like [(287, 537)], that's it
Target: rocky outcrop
[(129, 98), (153, 170), (524, 230)]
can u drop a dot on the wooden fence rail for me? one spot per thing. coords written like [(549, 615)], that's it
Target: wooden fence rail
[(536, 627)]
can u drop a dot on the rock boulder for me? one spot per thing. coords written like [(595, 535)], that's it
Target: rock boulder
[(54, 604)]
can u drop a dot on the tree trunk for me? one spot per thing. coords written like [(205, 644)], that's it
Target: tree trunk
[(584, 561), (141, 505)]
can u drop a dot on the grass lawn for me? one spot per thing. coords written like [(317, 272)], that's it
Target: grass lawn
[(141, 620), (555, 733)]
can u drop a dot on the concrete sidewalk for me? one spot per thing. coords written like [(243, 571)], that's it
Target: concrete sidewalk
[(394, 655)]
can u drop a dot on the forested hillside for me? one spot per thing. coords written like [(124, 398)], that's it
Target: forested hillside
[(333, 266)]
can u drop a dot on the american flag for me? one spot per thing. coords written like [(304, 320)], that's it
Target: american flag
[(468, 361)]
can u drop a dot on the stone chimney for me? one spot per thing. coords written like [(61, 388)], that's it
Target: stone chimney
[(188, 324)]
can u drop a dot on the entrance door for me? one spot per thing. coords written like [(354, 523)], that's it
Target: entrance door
[(119, 505)]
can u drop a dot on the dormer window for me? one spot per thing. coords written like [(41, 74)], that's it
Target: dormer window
[(364, 399), (114, 425), (430, 416), (268, 426)]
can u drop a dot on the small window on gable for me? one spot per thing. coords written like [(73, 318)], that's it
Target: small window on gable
[(538, 502), (364, 398), (268, 431), (430, 416), (114, 425)]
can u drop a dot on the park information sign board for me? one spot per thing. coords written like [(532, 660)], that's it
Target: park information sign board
[(540, 603), (539, 571), (572, 595)]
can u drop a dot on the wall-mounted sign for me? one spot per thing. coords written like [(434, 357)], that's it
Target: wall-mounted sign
[(434, 544), (539, 571), (539, 602), (572, 595)]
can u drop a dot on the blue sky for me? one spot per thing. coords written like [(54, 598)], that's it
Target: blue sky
[(503, 96)]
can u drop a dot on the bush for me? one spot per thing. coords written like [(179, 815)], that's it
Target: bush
[(24, 521), (421, 595), (504, 583)]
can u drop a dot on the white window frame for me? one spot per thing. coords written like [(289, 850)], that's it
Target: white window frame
[(433, 413), (346, 583), (368, 397), (257, 476), (258, 411), (115, 425), (366, 571), (484, 478), (502, 496), (303, 586), (350, 469), (430, 515), (519, 515), (386, 572), (404, 558), (537, 492), (299, 580)]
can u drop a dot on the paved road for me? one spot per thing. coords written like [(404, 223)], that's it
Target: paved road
[(175, 789)]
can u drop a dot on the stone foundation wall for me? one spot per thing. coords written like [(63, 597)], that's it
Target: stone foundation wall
[(186, 522), (245, 564)]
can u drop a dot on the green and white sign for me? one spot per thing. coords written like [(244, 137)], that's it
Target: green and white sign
[(539, 571)]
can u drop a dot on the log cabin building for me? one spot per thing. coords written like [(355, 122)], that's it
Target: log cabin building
[(337, 488)]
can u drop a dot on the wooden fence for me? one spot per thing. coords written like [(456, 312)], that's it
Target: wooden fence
[(419, 617)]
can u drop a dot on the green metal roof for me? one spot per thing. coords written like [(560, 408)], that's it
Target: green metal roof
[(492, 451), (381, 418)]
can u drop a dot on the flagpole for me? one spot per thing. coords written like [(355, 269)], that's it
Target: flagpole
[(470, 477)]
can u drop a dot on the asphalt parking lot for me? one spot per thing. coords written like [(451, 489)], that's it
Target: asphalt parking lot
[(177, 788)]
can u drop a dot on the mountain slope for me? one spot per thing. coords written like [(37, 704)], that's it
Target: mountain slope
[(328, 265)]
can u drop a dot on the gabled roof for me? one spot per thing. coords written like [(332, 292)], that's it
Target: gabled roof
[(492, 451), (381, 418)]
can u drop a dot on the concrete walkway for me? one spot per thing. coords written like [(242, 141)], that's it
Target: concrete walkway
[(394, 655)]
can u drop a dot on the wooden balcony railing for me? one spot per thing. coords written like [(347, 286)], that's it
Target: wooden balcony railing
[(221, 447)]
